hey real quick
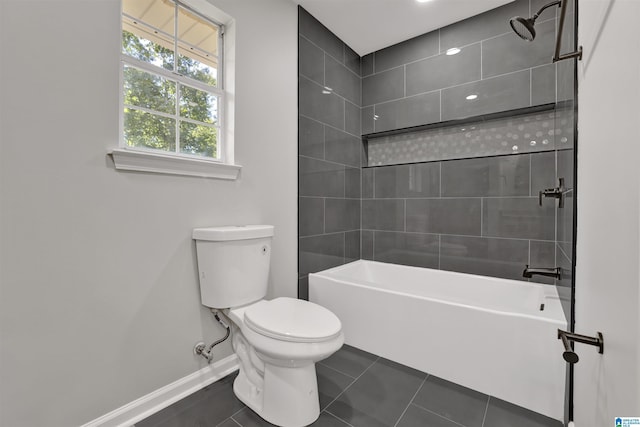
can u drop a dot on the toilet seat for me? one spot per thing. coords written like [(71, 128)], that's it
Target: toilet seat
[(293, 320)]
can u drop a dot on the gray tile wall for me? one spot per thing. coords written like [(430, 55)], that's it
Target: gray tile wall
[(474, 215), (484, 216), (503, 71), (477, 216), (330, 151)]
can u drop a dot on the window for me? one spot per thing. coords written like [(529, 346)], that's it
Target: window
[(171, 80)]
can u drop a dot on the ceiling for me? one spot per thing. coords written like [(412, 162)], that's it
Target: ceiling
[(370, 25)]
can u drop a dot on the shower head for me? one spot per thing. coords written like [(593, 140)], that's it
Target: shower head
[(523, 27)]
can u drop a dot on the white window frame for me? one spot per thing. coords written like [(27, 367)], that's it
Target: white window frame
[(175, 163)]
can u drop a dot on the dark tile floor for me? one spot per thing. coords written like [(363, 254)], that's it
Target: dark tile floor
[(360, 389)]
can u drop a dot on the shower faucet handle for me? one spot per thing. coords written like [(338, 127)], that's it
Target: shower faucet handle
[(557, 193)]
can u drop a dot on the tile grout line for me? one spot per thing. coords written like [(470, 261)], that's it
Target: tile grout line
[(411, 401), (336, 417), (352, 383), (486, 409), (453, 86), (438, 415), (337, 370)]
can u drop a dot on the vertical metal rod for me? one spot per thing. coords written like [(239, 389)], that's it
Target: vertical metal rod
[(556, 56)]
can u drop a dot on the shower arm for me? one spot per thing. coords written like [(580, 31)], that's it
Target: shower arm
[(557, 56), (546, 6)]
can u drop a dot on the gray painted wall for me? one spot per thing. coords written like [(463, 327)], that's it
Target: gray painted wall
[(100, 300)]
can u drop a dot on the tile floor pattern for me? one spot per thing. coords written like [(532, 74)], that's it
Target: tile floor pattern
[(360, 389)]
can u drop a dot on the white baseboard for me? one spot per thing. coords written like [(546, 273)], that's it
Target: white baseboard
[(155, 401)]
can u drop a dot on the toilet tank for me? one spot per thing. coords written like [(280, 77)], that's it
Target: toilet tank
[(233, 264)]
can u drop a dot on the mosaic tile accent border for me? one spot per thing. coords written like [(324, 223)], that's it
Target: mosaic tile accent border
[(527, 133)]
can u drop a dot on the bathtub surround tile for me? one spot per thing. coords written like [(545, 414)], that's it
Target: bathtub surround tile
[(352, 243), (341, 215), (444, 216), (352, 119), (318, 253), (504, 414), (320, 35), (341, 147), (566, 80), (330, 384), (310, 60), (502, 93), (418, 417), (566, 167), (407, 51), (310, 138), (313, 102), (543, 84), (383, 86), (352, 184), (402, 181), (444, 70), (378, 397), (368, 122), (486, 176), (198, 409), (350, 361), (342, 80), (319, 178), (520, 218), (508, 53), (452, 401), (505, 258), (406, 112), (303, 288), (415, 249), (367, 244), (352, 60), (383, 215), (565, 223), (543, 172), (542, 254), (310, 216), (367, 65), (483, 26), (367, 182)]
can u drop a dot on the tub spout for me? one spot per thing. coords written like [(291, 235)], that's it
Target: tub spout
[(548, 272)]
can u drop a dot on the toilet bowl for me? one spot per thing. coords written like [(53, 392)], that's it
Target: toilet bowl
[(277, 341)]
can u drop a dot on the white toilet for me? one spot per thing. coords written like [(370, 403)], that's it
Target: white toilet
[(277, 341)]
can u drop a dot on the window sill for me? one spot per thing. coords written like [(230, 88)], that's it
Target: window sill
[(152, 162)]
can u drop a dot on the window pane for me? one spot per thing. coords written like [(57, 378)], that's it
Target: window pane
[(198, 105), (142, 129), (198, 139), (197, 48), (149, 90), (148, 31)]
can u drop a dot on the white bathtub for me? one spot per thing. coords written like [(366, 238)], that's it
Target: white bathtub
[(484, 333)]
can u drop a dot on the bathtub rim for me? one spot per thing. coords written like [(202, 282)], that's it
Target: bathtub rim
[(549, 292)]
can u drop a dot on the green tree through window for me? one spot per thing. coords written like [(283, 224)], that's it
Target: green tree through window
[(164, 110)]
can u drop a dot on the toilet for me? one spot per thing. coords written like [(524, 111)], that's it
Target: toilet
[(277, 341)]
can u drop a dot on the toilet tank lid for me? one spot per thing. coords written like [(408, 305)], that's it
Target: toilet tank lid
[(233, 232)]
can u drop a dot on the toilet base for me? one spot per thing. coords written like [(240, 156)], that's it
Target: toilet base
[(289, 397)]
